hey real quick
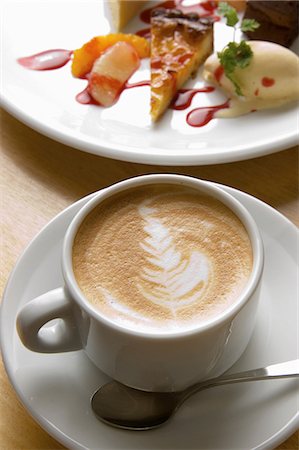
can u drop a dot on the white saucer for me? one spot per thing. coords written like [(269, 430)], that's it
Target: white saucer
[(56, 388)]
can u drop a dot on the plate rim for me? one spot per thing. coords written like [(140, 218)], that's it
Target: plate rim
[(123, 153)]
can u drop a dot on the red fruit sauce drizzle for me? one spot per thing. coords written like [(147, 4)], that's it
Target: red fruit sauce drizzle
[(196, 118), (184, 97), (267, 82), (47, 60), (218, 73), (199, 117), (145, 32), (86, 99), (137, 84)]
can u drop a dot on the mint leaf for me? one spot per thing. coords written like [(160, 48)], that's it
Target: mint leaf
[(228, 62), (249, 25), (243, 55), (233, 56), (229, 13), (227, 57)]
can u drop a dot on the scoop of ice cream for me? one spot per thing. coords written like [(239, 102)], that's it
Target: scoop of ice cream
[(270, 81)]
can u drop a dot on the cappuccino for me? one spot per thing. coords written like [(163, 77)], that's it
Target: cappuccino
[(161, 258)]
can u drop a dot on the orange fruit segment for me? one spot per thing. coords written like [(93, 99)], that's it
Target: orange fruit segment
[(85, 56)]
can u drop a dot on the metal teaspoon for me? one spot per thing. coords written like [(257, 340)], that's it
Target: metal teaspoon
[(124, 407)]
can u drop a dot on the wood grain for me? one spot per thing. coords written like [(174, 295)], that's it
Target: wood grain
[(40, 177)]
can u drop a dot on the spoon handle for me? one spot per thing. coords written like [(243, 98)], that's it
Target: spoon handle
[(282, 370)]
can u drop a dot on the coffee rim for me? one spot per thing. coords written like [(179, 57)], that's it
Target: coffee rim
[(203, 186)]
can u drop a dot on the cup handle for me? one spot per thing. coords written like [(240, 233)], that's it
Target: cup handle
[(63, 336)]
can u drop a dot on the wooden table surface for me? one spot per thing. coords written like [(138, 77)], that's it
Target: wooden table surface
[(40, 177)]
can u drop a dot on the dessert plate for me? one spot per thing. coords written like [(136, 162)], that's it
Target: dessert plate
[(46, 100), (56, 388)]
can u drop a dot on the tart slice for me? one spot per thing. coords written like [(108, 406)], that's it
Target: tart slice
[(180, 44)]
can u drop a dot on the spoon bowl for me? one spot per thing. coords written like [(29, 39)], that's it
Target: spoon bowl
[(125, 407), (132, 409)]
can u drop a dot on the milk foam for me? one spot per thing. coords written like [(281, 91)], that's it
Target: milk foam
[(171, 277), (161, 258)]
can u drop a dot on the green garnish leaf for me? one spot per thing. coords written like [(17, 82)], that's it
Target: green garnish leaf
[(249, 25), (234, 56), (244, 54), (229, 13)]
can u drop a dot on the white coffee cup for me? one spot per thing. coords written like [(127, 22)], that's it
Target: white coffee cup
[(149, 361)]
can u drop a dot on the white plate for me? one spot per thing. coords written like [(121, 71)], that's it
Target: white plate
[(46, 100), (56, 388)]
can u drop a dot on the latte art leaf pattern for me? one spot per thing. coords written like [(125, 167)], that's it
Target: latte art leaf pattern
[(161, 258), (169, 279)]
